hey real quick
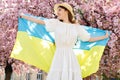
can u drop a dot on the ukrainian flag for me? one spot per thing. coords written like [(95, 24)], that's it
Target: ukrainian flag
[(35, 46)]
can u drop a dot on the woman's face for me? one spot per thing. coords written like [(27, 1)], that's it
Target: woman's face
[(61, 13)]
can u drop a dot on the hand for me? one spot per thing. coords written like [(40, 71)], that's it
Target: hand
[(107, 34), (21, 14)]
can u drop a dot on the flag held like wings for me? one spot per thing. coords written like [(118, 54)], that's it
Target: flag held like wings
[(35, 46)]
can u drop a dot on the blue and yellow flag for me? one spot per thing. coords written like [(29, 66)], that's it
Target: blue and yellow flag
[(35, 46)]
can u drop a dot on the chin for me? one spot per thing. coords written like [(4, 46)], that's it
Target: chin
[(59, 18)]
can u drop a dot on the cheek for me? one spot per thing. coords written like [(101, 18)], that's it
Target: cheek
[(58, 13)]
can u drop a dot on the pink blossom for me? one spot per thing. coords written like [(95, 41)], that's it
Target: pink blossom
[(96, 13)]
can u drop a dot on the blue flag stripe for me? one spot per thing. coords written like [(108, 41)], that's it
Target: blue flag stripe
[(39, 31)]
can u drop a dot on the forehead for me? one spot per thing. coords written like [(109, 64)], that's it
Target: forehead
[(62, 7)]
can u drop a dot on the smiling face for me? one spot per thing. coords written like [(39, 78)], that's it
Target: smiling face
[(61, 13)]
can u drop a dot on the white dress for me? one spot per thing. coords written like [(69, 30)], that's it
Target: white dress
[(64, 64)]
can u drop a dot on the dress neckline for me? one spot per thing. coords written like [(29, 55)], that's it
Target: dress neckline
[(67, 23)]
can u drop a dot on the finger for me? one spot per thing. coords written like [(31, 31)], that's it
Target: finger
[(107, 32)]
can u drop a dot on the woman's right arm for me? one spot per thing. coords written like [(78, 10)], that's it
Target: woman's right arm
[(32, 19)]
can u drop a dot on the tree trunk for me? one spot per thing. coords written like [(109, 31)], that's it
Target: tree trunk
[(8, 71)]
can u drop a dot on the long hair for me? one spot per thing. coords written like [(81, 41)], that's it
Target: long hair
[(70, 17)]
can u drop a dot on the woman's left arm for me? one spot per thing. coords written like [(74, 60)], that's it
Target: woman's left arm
[(92, 39)]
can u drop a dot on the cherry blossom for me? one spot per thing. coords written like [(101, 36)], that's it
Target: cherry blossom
[(103, 14)]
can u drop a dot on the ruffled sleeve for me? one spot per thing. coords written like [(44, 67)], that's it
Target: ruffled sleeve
[(51, 24), (82, 33)]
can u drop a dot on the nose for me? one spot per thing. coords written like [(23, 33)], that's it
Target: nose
[(57, 13)]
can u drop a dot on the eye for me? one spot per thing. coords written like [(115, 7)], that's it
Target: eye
[(59, 9)]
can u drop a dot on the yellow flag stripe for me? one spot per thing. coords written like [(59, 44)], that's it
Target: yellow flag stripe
[(39, 53)]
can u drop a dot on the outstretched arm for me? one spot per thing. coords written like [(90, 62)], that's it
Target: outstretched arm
[(32, 19), (92, 39)]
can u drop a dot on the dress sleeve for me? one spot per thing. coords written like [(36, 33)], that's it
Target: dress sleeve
[(50, 24), (82, 33)]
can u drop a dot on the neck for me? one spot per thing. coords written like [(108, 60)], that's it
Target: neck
[(66, 20)]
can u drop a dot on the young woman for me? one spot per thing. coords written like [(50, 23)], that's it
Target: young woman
[(65, 65)]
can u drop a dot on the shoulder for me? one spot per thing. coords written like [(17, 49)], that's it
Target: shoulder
[(80, 28), (77, 22), (51, 19)]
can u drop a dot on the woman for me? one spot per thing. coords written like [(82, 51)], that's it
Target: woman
[(65, 65)]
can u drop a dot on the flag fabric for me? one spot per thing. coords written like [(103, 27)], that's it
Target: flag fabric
[(35, 46)]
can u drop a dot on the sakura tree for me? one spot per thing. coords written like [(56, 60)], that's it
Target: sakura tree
[(103, 14)]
